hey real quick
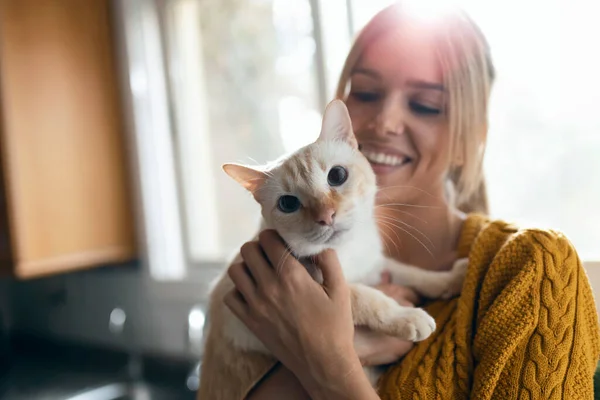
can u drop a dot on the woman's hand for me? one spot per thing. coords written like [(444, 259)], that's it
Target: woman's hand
[(308, 327), (374, 348), (404, 295)]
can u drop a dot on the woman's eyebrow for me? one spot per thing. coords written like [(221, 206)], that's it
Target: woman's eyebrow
[(419, 84), (414, 83), (366, 71)]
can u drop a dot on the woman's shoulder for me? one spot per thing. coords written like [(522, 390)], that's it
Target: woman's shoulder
[(539, 266), (506, 242)]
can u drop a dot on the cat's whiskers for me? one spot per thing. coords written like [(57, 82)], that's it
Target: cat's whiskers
[(410, 234), (397, 236), (257, 164), (283, 259), (380, 189), (388, 218), (407, 213), (391, 241), (360, 222), (405, 205), (384, 205), (319, 235)]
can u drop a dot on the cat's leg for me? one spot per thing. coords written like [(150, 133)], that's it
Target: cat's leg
[(227, 371), (372, 308), (432, 284), (239, 335)]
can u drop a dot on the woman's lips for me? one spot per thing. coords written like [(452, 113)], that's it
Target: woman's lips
[(385, 162)]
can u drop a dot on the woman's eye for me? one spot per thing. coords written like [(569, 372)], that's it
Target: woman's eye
[(365, 97), (423, 109), (288, 204)]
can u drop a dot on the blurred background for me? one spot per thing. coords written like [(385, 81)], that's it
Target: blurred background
[(117, 115)]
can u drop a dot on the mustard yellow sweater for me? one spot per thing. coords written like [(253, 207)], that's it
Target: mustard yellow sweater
[(524, 327)]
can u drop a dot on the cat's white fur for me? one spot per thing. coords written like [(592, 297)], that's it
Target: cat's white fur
[(358, 245)]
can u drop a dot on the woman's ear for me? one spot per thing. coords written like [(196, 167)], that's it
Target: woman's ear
[(459, 157)]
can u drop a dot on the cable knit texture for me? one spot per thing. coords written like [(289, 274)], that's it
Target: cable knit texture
[(524, 327)]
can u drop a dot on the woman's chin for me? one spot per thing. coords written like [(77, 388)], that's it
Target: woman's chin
[(392, 176)]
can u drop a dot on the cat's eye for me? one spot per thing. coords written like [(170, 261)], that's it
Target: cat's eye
[(288, 204), (337, 176)]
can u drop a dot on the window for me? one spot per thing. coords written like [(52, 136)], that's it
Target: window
[(244, 89), (217, 81), (542, 164)]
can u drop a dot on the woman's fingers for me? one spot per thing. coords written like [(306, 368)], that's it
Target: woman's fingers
[(403, 295), (374, 348), (386, 277), (284, 263), (242, 280), (333, 276), (278, 254), (238, 306), (257, 263)]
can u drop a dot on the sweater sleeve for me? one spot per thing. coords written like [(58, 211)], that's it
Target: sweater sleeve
[(536, 332)]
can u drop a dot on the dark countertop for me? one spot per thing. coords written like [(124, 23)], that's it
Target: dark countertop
[(41, 369)]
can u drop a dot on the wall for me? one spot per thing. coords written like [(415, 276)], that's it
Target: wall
[(78, 305)]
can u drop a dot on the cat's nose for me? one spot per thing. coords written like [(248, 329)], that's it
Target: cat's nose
[(325, 216)]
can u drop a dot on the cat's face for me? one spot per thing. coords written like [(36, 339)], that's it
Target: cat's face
[(319, 196)]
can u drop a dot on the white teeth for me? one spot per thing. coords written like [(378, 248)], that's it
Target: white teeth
[(386, 159)]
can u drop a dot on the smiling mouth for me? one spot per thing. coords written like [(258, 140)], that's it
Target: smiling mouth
[(380, 158)]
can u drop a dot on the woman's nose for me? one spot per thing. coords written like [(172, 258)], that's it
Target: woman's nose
[(391, 118)]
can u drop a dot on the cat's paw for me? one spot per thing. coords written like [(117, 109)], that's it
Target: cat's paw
[(413, 324), (455, 279)]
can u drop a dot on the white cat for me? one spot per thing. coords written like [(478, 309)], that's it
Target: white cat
[(320, 197)]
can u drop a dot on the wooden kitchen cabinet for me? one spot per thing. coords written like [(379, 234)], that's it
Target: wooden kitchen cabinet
[(64, 192)]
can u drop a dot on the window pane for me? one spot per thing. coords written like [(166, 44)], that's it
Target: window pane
[(542, 161), (243, 82)]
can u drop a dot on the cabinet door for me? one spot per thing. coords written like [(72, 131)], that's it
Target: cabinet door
[(63, 139)]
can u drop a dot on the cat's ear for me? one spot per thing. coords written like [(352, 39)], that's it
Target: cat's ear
[(250, 178), (337, 124)]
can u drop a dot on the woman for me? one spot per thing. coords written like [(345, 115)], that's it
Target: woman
[(525, 324)]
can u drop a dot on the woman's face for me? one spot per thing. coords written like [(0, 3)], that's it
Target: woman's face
[(397, 105)]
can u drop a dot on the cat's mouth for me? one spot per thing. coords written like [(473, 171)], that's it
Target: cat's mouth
[(336, 235), (328, 236)]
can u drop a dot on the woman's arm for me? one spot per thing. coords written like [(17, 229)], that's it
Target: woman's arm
[(308, 327), (279, 383), (538, 336), (372, 349), (282, 383)]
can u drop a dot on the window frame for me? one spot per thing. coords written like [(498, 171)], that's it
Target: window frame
[(147, 96)]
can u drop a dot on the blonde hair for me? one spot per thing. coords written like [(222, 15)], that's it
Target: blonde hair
[(468, 74)]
